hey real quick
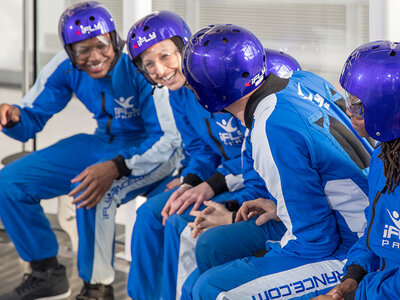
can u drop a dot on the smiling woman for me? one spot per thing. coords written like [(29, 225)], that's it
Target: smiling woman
[(94, 55), (163, 63)]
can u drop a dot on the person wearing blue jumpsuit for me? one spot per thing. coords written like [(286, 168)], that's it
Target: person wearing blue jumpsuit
[(312, 165), (180, 246), (213, 142), (136, 141), (370, 78)]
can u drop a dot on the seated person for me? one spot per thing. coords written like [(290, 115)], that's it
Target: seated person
[(370, 78), (309, 158), (135, 146)]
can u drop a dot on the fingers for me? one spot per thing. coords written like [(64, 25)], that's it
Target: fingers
[(264, 218), (183, 207), (165, 212), (80, 177), (197, 204), (83, 185), (242, 213)]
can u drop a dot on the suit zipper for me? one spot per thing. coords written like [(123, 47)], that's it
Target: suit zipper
[(216, 141), (103, 107), (377, 197)]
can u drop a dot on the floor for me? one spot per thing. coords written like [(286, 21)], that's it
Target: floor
[(12, 267), (73, 119)]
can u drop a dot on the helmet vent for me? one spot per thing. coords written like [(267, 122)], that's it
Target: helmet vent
[(133, 35), (77, 22), (264, 58), (236, 30), (206, 43), (392, 53), (91, 18), (375, 47), (218, 30), (224, 40), (245, 74), (200, 34), (146, 28)]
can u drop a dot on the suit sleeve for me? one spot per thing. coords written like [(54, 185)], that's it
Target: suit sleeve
[(49, 95)]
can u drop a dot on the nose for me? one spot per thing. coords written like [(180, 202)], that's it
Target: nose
[(159, 68), (94, 54)]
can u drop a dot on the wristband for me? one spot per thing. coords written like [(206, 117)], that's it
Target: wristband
[(234, 216)]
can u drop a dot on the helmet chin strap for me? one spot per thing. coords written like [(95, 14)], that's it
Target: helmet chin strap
[(116, 40)]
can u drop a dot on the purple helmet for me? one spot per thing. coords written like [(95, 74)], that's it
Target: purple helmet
[(152, 29), (280, 63), (372, 73), (83, 21), (223, 63)]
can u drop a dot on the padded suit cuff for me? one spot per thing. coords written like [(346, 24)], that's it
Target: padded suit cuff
[(121, 166), (217, 183), (192, 179)]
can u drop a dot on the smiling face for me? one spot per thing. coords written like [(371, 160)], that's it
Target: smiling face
[(163, 63), (94, 55)]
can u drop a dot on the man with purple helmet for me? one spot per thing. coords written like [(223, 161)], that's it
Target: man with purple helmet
[(371, 79), (135, 146), (307, 154)]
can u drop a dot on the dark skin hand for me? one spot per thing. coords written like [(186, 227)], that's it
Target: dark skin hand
[(94, 182), (338, 292), (9, 113)]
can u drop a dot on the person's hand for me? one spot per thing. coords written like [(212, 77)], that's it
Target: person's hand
[(338, 292), (95, 181), (196, 195), (215, 214), (265, 208), (165, 213), (172, 184), (9, 113)]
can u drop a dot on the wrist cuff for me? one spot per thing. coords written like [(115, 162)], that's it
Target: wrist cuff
[(192, 179), (355, 272), (217, 183), (10, 124), (121, 166)]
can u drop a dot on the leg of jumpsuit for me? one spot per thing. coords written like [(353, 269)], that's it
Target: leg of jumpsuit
[(43, 174), (147, 249), (226, 243), (96, 226), (273, 276), (179, 250)]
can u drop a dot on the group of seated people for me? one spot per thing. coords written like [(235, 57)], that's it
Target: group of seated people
[(262, 181)]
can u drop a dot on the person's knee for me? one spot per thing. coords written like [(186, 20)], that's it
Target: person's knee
[(147, 212), (202, 286), (210, 249)]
